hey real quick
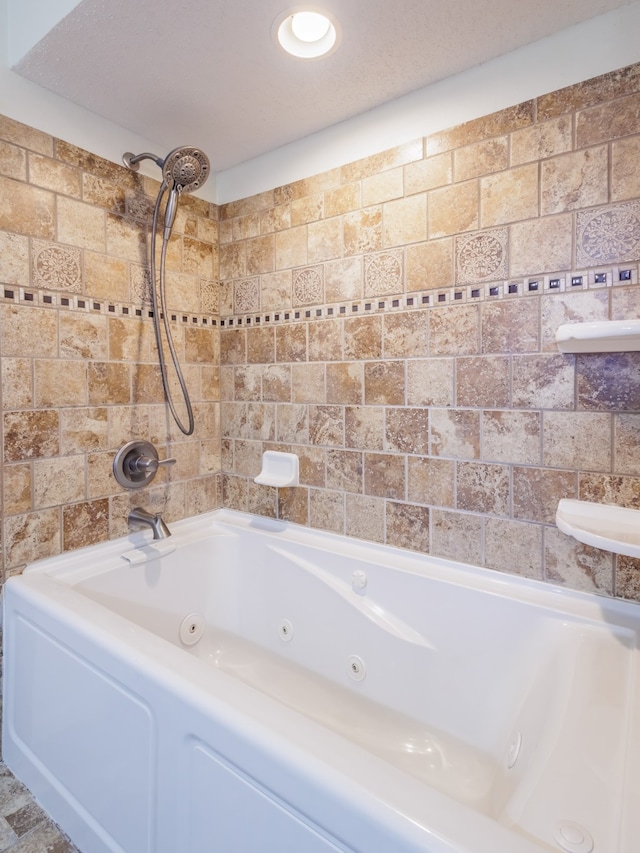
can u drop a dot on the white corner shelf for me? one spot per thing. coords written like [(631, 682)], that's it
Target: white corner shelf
[(611, 528), (599, 336), (279, 469)]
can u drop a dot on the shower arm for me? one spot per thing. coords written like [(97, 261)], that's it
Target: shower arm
[(132, 161)]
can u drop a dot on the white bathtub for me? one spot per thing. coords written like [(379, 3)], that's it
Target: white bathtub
[(250, 686)]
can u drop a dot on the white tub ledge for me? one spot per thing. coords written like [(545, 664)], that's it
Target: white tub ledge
[(599, 336), (611, 528)]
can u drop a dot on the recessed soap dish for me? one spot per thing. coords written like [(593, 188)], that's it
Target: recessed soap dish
[(279, 469)]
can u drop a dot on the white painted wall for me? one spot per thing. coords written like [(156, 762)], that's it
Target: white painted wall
[(603, 44)]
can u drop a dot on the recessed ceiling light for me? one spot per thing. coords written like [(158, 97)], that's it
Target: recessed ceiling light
[(306, 33)]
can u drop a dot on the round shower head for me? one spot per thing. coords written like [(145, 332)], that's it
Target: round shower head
[(186, 169)]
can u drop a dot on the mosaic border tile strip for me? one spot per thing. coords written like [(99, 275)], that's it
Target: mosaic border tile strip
[(74, 302), (560, 282)]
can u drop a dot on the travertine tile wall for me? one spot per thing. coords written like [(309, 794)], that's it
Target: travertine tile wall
[(77, 350), (393, 323)]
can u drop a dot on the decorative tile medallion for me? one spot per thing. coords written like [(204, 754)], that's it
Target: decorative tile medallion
[(140, 284), (482, 256), (246, 296), (608, 234), (56, 267), (383, 274), (308, 286), (210, 297)]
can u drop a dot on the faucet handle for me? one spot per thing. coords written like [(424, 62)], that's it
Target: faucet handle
[(137, 463)]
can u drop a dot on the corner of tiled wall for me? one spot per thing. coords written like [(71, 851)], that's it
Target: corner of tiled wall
[(393, 323), (77, 349)]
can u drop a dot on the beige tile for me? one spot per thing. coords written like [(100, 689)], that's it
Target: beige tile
[(13, 161), (260, 255), (405, 335), (404, 221), (511, 327), (363, 338), (457, 536), (233, 261), (312, 465), (275, 291), (83, 336), (510, 436), (455, 433), (481, 158), (384, 383), (325, 240), (325, 340), (543, 140), (293, 505), (609, 382), (28, 330), (627, 577), (430, 382), (30, 435), (578, 440), (233, 346), (382, 187), (625, 181), (589, 92), (291, 248), (509, 196), (454, 330), (345, 382), (260, 345), (575, 180), (514, 547), (431, 481), (626, 445), (476, 130), (536, 492), (32, 536), (26, 210), (292, 424), (308, 383), (483, 382), (384, 273), (104, 193), (326, 510), (453, 209), (17, 383), (59, 383), (365, 517), (430, 265), (308, 286), (25, 136), (364, 427), (106, 278), (343, 279), (291, 342), (326, 425), (14, 259), (307, 209), (428, 174), (343, 199), (607, 121), (87, 429), (482, 487), (363, 231), (110, 382), (80, 224), (58, 481), (345, 470), (407, 526), (407, 430), (17, 484), (85, 524), (542, 245), (604, 489), (53, 175)]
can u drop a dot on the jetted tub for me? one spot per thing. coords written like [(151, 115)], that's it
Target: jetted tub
[(251, 686)]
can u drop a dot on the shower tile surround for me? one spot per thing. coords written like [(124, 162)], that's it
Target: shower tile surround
[(392, 322), (77, 349)]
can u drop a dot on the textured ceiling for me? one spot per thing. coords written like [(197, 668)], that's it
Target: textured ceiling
[(207, 72)]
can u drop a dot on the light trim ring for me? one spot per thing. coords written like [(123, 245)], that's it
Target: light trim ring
[(296, 32)]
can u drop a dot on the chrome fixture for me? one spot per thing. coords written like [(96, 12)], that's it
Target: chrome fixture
[(155, 522), (185, 170), (137, 463)]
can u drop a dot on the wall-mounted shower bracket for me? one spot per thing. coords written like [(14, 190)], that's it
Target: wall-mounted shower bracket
[(137, 463)]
